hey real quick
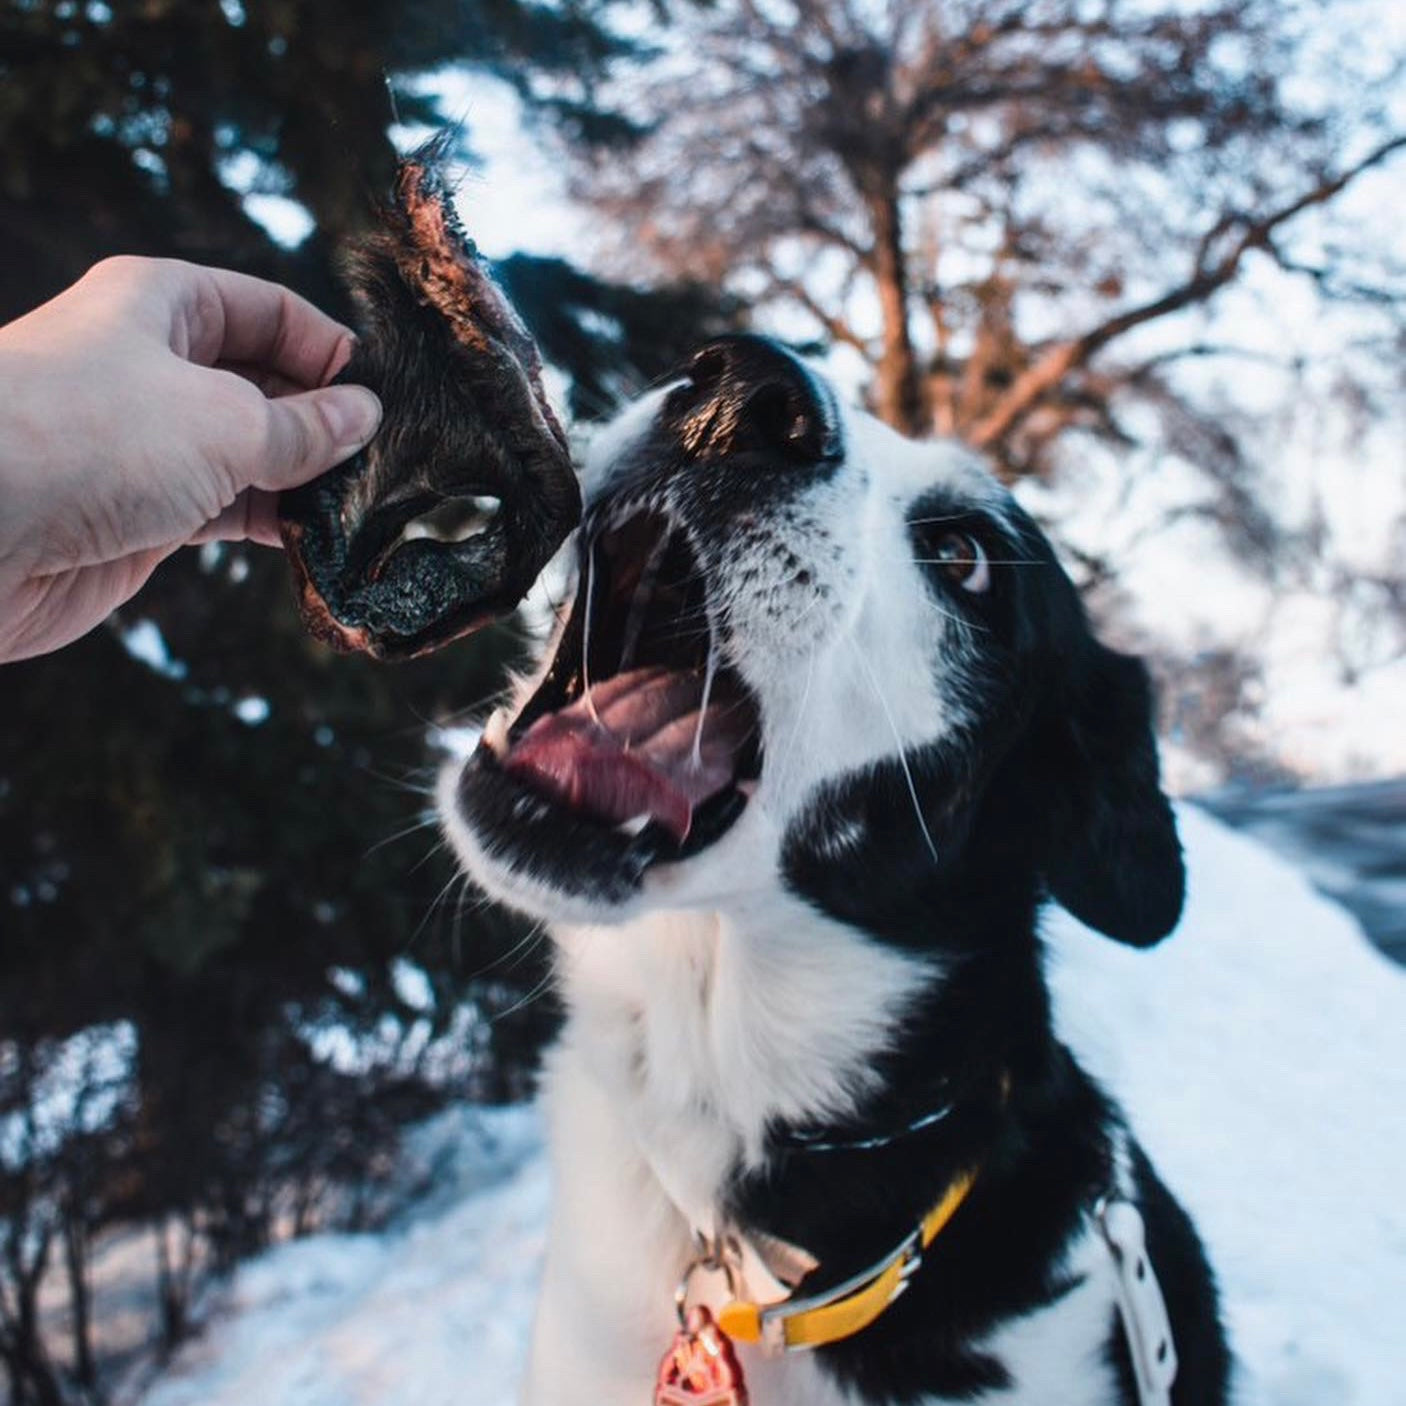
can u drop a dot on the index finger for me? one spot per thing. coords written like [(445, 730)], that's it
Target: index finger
[(235, 317)]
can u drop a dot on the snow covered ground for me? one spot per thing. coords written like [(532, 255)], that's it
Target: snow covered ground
[(433, 1312), (1262, 1051)]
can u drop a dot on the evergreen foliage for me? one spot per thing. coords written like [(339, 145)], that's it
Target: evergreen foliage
[(130, 126), (233, 957)]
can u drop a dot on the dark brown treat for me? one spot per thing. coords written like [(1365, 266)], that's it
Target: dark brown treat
[(444, 520)]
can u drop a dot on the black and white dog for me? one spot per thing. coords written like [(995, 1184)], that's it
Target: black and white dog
[(823, 729)]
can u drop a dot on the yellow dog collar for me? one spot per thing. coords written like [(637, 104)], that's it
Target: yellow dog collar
[(851, 1306)]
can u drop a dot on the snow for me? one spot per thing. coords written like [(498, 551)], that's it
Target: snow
[(80, 1085), (431, 1313), (252, 710), (1335, 727), (145, 642), (412, 985), (1262, 1052)]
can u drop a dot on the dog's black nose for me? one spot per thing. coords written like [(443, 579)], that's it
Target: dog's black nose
[(746, 393)]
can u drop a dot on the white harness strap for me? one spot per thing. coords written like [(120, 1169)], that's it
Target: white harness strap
[(1140, 1303)]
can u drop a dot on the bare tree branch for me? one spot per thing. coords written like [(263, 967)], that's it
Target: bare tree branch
[(1058, 361), (836, 327)]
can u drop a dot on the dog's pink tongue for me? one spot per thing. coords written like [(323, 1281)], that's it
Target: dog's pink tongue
[(640, 744)]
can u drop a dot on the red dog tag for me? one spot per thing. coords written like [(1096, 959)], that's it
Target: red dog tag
[(700, 1367)]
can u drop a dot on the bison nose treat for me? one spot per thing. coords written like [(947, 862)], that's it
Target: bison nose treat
[(446, 518)]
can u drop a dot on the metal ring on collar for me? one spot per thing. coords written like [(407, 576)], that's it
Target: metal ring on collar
[(723, 1254)]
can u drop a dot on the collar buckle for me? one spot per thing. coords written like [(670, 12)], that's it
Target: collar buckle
[(852, 1304)]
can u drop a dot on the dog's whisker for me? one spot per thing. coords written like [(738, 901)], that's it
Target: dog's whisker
[(709, 674), (405, 782), (440, 846), (430, 911), (898, 742), (800, 710), (456, 927), (528, 946), (638, 606), (956, 619), (973, 561), (702, 631), (520, 950), (483, 706), (423, 823), (526, 1000), (586, 634), (466, 906)]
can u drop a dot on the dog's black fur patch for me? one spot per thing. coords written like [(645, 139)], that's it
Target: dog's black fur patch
[(1054, 790)]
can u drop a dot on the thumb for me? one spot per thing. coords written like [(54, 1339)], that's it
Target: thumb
[(306, 434)]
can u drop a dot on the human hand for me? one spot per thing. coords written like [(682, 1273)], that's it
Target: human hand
[(152, 405)]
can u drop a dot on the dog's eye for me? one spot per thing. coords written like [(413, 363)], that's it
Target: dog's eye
[(961, 559)]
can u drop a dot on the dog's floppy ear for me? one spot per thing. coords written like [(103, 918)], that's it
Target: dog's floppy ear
[(1115, 859)]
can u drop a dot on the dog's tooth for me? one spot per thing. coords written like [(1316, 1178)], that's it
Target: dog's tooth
[(495, 733), (634, 826)]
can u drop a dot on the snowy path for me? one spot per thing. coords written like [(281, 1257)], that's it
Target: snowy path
[(1262, 1051), (1350, 840)]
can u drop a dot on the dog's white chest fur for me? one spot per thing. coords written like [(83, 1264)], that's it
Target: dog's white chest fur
[(687, 1034), (703, 1028)]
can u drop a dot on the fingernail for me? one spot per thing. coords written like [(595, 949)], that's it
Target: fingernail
[(352, 414)]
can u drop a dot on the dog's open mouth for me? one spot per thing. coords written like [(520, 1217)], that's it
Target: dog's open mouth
[(639, 724)]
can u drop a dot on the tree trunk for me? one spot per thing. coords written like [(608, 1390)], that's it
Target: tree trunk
[(75, 1237), (23, 1340), (36, 1383), (898, 396), (170, 1292)]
